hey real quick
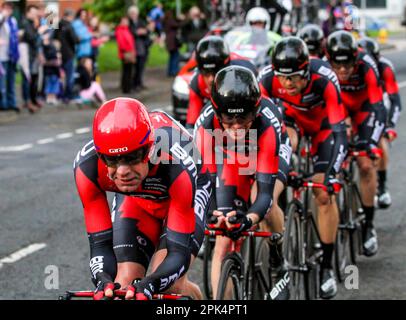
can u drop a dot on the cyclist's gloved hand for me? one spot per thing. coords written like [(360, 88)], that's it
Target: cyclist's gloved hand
[(104, 287), (139, 291), (370, 148), (330, 182), (391, 134), (242, 222)]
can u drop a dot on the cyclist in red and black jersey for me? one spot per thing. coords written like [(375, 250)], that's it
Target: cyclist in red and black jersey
[(212, 54), (238, 136), (313, 36), (160, 203), (362, 96), (310, 92), (393, 106)]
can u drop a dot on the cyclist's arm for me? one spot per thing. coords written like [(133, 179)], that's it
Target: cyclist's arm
[(98, 226), (267, 170), (336, 117), (392, 89), (378, 108), (180, 228)]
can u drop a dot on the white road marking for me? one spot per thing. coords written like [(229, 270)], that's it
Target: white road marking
[(46, 140), (65, 135), (16, 148), (82, 130), (22, 253)]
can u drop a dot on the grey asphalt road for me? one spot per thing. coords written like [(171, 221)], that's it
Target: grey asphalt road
[(39, 206)]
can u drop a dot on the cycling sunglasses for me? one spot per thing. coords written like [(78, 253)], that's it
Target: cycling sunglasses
[(237, 119), (131, 159), (347, 64), (294, 76)]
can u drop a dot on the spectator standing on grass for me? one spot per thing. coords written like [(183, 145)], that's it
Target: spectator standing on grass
[(142, 36), (31, 32), (194, 28), (9, 55), (157, 15), (68, 40), (97, 40), (126, 53), (80, 26), (89, 90), (171, 29)]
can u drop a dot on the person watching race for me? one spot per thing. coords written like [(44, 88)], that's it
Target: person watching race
[(313, 36), (212, 54), (310, 93), (393, 106), (259, 18), (160, 204), (238, 136), (362, 96)]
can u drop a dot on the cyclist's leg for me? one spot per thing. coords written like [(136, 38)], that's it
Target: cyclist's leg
[(202, 203), (328, 216), (368, 171), (368, 181), (384, 198), (135, 237), (326, 204)]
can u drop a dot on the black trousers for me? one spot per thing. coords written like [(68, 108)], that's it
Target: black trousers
[(126, 76), (139, 68)]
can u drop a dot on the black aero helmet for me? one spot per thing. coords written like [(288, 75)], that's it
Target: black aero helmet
[(212, 54), (342, 47), (313, 36), (371, 47), (235, 92), (290, 56)]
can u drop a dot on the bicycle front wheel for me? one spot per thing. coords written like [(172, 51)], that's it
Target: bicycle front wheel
[(230, 283), (342, 255), (294, 252)]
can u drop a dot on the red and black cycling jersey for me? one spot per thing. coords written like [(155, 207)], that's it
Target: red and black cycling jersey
[(318, 107), (363, 88), (237, 164), (390, 86), (199, 93), (172, 181)]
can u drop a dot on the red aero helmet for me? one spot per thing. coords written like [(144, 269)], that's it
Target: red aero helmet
[(121, 126)]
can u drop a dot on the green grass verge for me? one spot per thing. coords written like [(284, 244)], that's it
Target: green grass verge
[(109, 61)]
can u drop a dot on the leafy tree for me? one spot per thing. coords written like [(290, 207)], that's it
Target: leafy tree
[(112, 10)]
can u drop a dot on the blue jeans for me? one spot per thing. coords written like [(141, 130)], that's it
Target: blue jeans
[(69, 68), (7, 86), (173, 65)]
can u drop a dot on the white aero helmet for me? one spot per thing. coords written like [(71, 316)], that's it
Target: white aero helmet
[(258, 14)]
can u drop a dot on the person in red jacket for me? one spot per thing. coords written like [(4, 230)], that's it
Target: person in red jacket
[(126, 52)]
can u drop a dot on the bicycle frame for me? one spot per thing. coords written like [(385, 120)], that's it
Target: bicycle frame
[(251, 270)]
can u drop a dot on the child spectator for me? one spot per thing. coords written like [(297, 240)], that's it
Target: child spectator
[(89, 90), (52, 68)]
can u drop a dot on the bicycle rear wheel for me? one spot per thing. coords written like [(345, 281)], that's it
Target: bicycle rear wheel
[(294, 252), (342, 255), (230, 283), (207, 256), (354, 215), (261, 278)]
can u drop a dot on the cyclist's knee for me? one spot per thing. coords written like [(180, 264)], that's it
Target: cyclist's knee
[(366, 168), (221, 247), (323, 198)]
